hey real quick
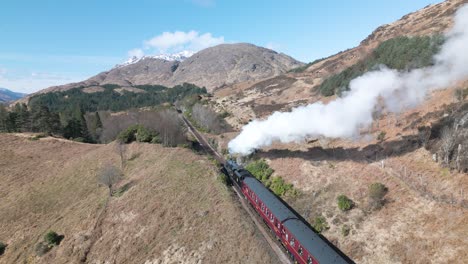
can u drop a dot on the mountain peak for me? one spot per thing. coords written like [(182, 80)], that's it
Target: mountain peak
[(179, 56)]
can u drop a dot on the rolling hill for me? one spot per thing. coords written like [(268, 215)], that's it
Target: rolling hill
[(170, 206)]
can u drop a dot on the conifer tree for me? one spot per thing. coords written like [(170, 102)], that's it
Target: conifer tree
[(23, 121), (3, 118)]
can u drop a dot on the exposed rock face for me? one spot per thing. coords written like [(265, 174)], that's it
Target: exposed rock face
[(213, 67)]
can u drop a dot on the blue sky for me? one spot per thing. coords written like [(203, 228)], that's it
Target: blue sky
[(51, 42)]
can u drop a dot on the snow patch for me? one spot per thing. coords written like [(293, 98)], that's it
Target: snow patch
[(180, 56)]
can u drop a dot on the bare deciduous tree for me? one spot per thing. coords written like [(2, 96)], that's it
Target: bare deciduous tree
[(447, 139), (207, 118), (170, 128), (109, 175)]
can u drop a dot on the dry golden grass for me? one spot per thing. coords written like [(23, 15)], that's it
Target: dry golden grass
[(174, 212), (412, 226)]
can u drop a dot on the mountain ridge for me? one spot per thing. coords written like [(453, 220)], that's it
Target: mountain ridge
[(7, 95), (211, 68)]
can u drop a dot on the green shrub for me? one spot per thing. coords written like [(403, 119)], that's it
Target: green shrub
[(213, 143), (345, 230), (143, 135), (2, 248), (225, 114), (223, 179), (400, 53), (79, 139), (41, 249), (184, 145), (260, 169), (156, 140), (344, 203), (138, 133), (128, 135), (224, 152), (381, 136), (320, 224), (281, 188), (377, 191), (120, 191), (37, 137), (52, 238)]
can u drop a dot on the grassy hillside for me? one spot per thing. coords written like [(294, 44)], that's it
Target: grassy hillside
[(172, 207)]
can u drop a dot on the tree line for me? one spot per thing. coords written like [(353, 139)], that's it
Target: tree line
[(39, 119), (112, 100), (77, 115), (400, 53)]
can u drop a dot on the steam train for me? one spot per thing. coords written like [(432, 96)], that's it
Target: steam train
[(302, 243)]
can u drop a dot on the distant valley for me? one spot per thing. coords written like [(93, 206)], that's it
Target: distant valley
[(9, 96)]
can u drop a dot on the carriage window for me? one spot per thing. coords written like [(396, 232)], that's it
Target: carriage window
[(286, 236), (309, 260), (292, 242), (272, 218), (300, 251), (279, 226)]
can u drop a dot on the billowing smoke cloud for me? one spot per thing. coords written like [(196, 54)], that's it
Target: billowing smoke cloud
[(343, 117)]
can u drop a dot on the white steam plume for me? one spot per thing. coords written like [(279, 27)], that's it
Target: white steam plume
[(344, 116)]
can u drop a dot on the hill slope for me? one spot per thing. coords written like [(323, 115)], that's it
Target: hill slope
[(424, 218), (175, 210), (253, 99), (7, 95)]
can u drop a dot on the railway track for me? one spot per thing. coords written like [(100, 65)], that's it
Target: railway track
[(272, 241)]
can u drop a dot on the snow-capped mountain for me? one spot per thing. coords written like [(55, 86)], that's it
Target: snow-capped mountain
[(175, 57), (180, 56)]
